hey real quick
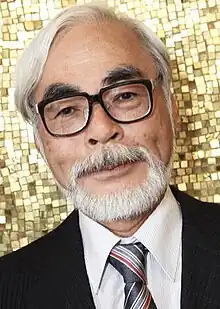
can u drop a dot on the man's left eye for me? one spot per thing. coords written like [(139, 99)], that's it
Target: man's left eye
[(126, 96)]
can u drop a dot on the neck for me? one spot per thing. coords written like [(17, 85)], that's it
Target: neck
[(126, 228)]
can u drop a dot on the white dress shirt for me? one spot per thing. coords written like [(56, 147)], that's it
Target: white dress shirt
[(160, 234)]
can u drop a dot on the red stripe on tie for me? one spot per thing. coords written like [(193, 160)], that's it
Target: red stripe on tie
[(147, 302), (130, 265)]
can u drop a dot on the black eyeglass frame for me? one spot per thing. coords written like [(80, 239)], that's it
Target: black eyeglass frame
[(97, 98)]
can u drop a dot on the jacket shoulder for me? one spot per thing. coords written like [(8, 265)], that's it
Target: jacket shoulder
[(192, 205), (201, 220), (35, 253), (21, 270)]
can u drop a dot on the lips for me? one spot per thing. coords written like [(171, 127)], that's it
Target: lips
[(112, 167), (107, 168)]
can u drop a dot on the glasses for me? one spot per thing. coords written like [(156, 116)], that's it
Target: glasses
[(124, 102)]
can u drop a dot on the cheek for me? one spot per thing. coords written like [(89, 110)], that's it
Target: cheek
[(142, 132), (60, 153), (154, 133)]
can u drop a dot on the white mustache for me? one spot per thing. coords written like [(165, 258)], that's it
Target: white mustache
[(109, 158)]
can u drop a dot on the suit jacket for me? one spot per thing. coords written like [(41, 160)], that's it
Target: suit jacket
[(50, 273)]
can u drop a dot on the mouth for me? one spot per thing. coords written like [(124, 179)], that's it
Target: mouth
[(115, 170), (114, 167)]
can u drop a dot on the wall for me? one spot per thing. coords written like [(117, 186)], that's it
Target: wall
[(30, 204)]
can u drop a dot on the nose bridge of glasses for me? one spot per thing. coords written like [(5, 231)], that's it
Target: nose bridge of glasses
[(95, 99)]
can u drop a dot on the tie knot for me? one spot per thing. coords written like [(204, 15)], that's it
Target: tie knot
[(129, 260)]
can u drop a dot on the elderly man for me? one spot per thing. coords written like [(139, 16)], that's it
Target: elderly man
[(96, 88)]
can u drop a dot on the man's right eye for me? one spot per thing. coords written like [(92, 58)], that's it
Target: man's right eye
[(67, 111)]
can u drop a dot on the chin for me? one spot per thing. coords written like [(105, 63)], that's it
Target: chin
[(125, 202), (119, 193)]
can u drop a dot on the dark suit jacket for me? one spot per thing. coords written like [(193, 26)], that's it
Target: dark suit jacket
[(50, 273)]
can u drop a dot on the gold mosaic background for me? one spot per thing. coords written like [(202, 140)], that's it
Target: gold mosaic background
[(30, 204)]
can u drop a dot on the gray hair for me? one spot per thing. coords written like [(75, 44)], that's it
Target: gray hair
[(31, 64)]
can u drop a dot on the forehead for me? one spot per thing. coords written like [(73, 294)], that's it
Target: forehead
[(84, 54)]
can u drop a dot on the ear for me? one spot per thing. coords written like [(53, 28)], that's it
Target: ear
[(175, 112), (39, 146), (37, 142)]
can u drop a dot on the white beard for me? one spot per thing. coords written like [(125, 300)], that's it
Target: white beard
[(125, 203)]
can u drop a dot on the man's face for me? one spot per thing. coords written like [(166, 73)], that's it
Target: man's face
[(83, 57)]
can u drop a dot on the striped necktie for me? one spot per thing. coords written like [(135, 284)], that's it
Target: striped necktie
[(129, 260)]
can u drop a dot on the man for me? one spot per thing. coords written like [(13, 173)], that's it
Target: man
[(96, 89)]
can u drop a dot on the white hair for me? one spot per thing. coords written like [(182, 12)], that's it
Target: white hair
[(32, 62), (127, 201)]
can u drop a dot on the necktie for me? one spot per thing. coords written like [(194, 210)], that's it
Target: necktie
[(129, 260)]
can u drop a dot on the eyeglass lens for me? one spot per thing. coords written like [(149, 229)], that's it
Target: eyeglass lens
[(123, 103)]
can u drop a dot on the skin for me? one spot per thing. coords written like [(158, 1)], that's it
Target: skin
[(98, 48)]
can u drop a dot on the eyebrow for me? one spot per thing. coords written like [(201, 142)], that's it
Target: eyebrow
[(58, 91), (120, 73)]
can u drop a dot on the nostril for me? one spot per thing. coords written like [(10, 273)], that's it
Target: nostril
[(115, 135), (92, 141)]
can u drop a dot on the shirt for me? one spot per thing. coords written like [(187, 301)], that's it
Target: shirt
[(161, 234)]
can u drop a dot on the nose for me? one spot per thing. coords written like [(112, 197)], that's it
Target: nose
[(102, 129)]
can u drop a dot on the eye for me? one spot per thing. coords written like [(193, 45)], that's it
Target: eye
[(67, 111), (126, 96)]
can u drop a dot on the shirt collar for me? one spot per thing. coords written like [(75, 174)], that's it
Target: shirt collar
[(160, 234), (98, 242)]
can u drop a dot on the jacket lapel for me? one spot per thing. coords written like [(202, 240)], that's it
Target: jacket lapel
[(64, 282), (200, 254)]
